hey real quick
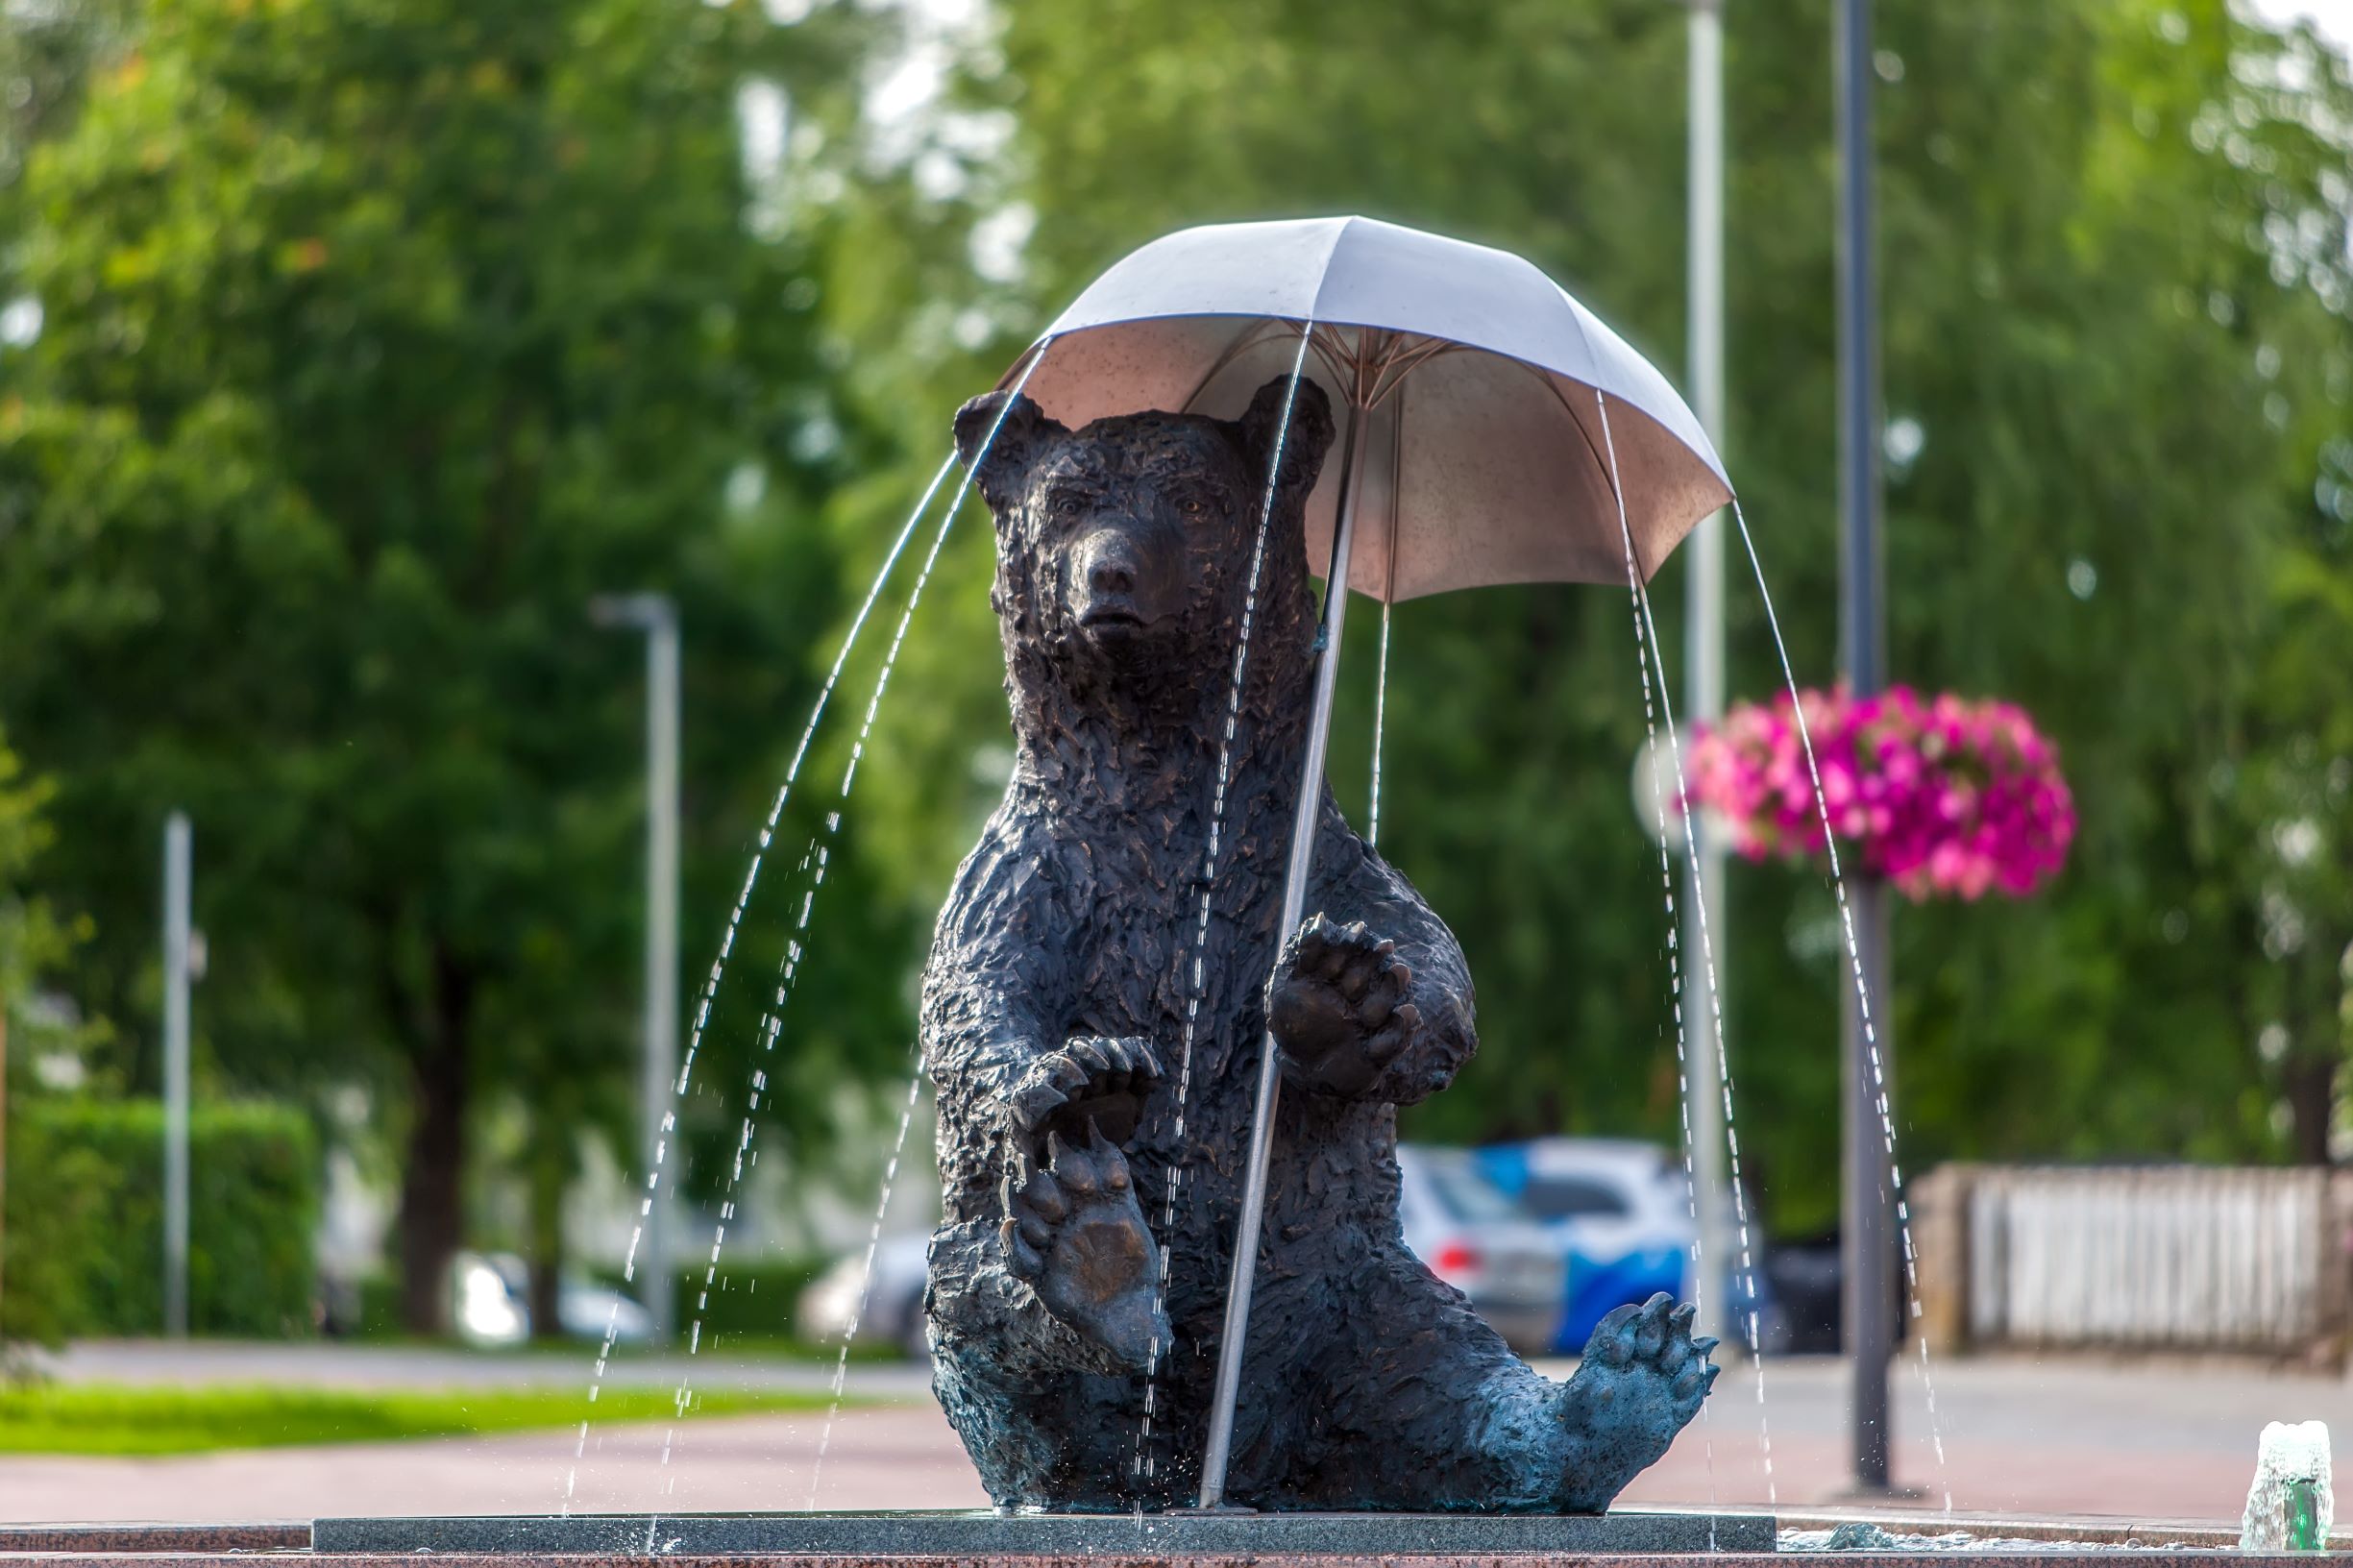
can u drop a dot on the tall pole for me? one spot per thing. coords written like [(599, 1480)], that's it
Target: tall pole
[(661, 930), (1869, 1307), (655, 615), (1234, 1339), (178, 855), (1704, 662)]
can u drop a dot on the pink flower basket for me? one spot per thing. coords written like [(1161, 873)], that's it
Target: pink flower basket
[(1941, 796)]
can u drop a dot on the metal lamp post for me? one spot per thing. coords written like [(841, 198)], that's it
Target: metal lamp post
[(178, 859), (1868, 1306), (657, 617)]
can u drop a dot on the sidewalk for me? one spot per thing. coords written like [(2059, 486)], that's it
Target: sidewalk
[(2065, 1437)]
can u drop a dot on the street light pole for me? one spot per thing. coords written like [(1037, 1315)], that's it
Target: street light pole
[(1704, 662), (657, 617), (1868, 1306), (178, 866)]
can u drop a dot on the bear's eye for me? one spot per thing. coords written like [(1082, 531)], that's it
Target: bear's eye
[(1065, 504), (1194, 506)]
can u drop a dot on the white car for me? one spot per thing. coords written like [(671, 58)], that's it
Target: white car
[(893, 1308), (490, 1297), (1469, 1234)]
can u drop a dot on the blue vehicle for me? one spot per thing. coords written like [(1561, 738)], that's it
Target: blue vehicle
[(1620, 1210), (1476, 1241)]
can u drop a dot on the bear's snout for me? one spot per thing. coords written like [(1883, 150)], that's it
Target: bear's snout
[(1112, 573), (1118, 583)]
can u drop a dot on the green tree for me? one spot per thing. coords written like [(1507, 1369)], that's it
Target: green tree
[(33, 944), (376, 336), (33, 941)]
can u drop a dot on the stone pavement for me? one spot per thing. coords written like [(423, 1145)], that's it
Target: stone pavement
[(2132, 1439)]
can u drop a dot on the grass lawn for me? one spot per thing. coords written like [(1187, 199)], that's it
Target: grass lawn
[(102, 1418)]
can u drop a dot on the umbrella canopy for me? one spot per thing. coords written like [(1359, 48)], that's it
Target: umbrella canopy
[(1473, 372)]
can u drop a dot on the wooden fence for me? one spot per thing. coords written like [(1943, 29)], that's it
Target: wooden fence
[(2180, 1258)]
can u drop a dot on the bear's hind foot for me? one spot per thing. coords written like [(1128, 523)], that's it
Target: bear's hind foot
[(1642, 1380)]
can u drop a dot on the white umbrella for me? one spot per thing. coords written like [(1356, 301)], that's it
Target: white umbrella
[(1476, 436), (1484, 366)]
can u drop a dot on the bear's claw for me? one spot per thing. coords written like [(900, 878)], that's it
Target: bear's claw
[(1091, 1079)]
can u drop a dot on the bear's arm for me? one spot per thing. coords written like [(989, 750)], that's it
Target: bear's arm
[(994, 992), (994, 979), (1353, 883)]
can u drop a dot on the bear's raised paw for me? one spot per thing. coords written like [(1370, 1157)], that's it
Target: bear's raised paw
[(1074, 1231), (1337, 1007), (1093, 1082)]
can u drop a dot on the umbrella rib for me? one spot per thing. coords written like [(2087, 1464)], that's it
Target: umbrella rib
[(1409, 360), (1250, 339), (1552, 382)]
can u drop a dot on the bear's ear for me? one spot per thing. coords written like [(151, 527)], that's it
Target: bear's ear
[(1303, 448), (1013, 433)]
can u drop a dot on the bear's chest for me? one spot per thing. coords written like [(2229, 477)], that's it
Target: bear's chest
[(1165, 947)]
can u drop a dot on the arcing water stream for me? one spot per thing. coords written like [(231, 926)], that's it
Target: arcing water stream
[(1652, 659), (727, 945), (1862, 1000), (850, 775), (772, 1019)]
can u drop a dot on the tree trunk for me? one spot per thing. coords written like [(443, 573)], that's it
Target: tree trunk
[(548, 1174), (2311, 1096), (432, 1192)]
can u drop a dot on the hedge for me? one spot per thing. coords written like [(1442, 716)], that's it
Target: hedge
[(85, 1219), (756, 1300)]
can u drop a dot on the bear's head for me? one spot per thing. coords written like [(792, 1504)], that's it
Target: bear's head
[(1124, 547)]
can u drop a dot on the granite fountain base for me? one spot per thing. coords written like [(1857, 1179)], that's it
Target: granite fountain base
[(1625, 1540)]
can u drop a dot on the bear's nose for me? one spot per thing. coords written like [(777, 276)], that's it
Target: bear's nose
[(1110, 573)]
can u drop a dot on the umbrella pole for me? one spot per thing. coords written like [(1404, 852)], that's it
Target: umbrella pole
[(1232, 1340)]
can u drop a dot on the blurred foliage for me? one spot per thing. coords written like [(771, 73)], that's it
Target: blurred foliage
[(34, 941), (375, 335), (36, 1287), (85, 1219)]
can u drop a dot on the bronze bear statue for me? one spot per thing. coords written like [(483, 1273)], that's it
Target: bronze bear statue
[(1092, 1145)]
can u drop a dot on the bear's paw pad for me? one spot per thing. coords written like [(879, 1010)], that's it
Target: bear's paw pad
[(1074, 1231)]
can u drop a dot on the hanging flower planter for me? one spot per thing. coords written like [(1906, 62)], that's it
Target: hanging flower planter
[(1940, 795)]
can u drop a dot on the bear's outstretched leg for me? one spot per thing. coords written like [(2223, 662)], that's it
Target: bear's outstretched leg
[(1433, 1412)]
